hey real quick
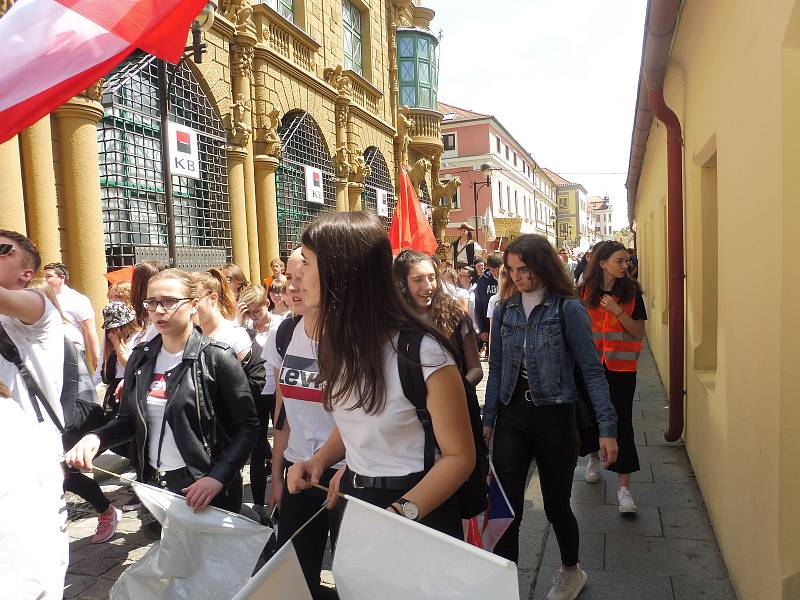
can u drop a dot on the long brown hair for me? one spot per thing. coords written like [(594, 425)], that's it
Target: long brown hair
[(360, 307), (139, 280), (445, 312), (214, 281), (536, 252), (592, 288), (237, 276)]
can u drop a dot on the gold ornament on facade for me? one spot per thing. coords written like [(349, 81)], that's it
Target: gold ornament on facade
[(241, 60), (271, 139), (359, 169), (418, 172), (240, 128), (442, 195), (342, 162), (237, 12), (404, 13), (94, 91), (405, 125), (339, 81)]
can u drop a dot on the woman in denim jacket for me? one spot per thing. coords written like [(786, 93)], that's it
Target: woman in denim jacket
[(531, 394)]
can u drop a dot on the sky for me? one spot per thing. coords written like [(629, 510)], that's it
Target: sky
[(560, 75)]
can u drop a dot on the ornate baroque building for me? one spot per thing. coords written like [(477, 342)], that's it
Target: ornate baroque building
[(297, 107)]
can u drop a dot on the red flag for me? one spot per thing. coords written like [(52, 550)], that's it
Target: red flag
[(55, 49), (410, 228), (472, 532)]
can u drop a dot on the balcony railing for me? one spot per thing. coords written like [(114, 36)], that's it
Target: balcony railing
[(427, 131), (285, 38), (366, 95)]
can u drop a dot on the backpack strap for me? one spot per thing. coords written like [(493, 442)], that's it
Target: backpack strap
[(284, 334), (409, 367), (10, 352)]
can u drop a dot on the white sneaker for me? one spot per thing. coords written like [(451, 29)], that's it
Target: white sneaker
[(592, 474), (626, 503), (567, 584)]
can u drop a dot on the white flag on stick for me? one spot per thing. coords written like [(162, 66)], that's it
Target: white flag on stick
[(204, 556), (491, 233), (281, 578), (382, 555)]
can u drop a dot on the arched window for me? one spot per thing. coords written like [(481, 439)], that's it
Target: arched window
[(379, 179), (302, 146), (131, 177)]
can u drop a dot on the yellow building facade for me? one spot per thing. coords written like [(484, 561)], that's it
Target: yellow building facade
[(733, 80), (288, 93)]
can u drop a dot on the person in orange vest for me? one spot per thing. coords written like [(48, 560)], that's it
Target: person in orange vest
[(616, 307)]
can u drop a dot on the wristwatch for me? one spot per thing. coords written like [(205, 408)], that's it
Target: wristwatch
[(410, 510)]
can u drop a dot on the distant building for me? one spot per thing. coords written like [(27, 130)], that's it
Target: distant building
[(600, 218), (573, 213)]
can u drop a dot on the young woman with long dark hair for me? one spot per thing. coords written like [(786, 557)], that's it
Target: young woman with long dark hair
[(185, 401), (347, 273), (216, 312), (618, 313), (420, 285), (531, 395)]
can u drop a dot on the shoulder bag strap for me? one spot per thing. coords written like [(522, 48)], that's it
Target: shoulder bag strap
[(409, 368)]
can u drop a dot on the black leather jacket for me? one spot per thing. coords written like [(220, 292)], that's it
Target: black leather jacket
[(209, 409)]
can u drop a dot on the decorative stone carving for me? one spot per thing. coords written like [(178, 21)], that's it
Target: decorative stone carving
[(443, 195), (271, 138), (340, 82), (240, 127), (404, 13), (342, 160), (237, 12), (359, 169), (241, 60), (418, 172), (94, 91), (405, 125), (340, 112)]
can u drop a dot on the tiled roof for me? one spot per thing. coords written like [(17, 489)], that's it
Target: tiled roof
[(459, 114), (557, 179), (598, 203)]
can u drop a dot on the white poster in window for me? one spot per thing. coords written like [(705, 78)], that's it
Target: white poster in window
[(314, 189), (383, 202), (184, 155)]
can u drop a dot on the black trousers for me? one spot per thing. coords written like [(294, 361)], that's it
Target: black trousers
[(85, 487), (524, 432), (445, 518), (262, 453), (230, 498), (622, 387), (296, 510)]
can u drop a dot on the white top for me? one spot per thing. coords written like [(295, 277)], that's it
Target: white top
[(75, 306), (531, 300), (171, 458), (234, 335), (144, 335), (120, 371), (391, 443), (310, 424), (492, 302), (41, 347), (261, 340)]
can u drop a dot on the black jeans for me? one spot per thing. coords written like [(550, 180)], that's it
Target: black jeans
[(262, 453), (445, 517), (85, 487), (296, 510), (547, 433)]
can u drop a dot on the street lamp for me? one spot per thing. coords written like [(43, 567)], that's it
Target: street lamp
[(486, 170), (554, 221)]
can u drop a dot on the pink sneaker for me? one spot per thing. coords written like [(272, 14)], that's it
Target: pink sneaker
[(106, 526)]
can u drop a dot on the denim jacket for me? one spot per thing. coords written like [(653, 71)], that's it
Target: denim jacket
[(550, 363)]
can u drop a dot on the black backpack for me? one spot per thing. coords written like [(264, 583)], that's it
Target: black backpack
[(283, 336), (473, 493)]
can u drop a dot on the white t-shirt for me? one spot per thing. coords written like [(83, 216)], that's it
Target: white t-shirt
[(492, 302), (310, 424), (261, 340), (171, 458), (144, 335), (75, 306), (391, 443), (234, 335)]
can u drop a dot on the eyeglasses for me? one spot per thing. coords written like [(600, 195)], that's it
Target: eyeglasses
[(6, 249), (151, 304)]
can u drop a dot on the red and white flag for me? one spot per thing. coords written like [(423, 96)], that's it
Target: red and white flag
[(55, 49)]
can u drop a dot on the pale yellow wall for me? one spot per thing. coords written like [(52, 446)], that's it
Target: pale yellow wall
[(736, 90)]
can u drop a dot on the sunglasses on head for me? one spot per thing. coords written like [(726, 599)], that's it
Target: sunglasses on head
[(6, 249)]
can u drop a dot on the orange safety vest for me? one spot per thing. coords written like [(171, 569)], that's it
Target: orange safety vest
[(616, 348)]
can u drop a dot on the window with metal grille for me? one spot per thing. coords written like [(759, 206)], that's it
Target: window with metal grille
[(131, 178), (351, 19), (379, 179), (303, 145)]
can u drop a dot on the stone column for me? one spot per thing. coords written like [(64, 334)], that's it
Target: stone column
[(267, 196), (83, 214), (40, 189), (241, 49), (236, 161), (12, 215), (354, 190), (341, 83)]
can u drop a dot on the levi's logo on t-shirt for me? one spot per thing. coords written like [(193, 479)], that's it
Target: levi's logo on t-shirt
[(298, 379), (158, 387)]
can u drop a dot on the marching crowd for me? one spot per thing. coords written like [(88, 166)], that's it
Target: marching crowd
[(366, 365)]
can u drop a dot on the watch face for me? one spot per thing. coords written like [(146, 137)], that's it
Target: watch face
[(410, 510)]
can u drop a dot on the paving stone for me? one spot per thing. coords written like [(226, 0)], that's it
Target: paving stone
[(603, 585), (687, 523), (75, 584), (644, 474), (592, 551), (99, 591), (673, 473), (661, 494), (632, 554), (692, 588), (93, 565), (594, 518), (649, 403), (588, 493), (657, 439), (659, 454)]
